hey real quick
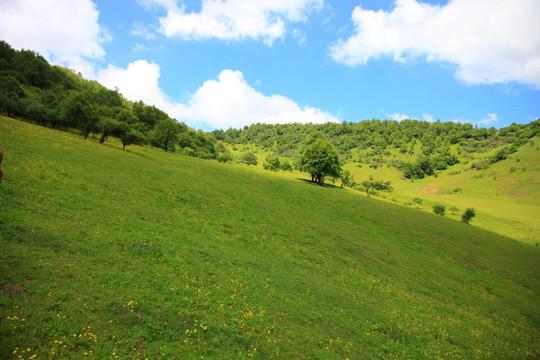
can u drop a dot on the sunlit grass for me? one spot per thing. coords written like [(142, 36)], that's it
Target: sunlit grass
[(147, 254), (505, 195)]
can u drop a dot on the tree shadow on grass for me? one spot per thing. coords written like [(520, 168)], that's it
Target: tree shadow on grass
[(126, 150), (325, 185)]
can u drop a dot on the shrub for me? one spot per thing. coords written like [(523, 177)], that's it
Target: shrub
[(439, 209), (189, 151), (272, 163), (418, 201), (248, 158), (224, 157), (468, 215), (286, 165), (499, 156)]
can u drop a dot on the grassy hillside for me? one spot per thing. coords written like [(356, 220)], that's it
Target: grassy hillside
[(145, 254), (506, 195)]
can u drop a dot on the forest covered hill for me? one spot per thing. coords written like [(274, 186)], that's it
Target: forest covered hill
[(34, 90)]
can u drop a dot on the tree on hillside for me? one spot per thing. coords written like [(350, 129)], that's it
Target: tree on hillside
[(78, 112), (272, 163), (11, 94), (439, 209), (318, 158), (371, 186), (108, 126), (131, 137), (347, 179), (224, 154), (285, 165), (165, 134), (468, 215), (248, 158)]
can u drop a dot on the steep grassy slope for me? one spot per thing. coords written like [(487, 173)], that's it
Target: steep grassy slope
[(506, 195), (108, 254)]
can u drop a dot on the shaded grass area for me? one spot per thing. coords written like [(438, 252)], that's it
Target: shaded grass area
[(146, 254)]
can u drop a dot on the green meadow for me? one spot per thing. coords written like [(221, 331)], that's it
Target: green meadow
[(141, 254), (506, 196)]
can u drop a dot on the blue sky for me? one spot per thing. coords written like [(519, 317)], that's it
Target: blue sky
[(229, 63)]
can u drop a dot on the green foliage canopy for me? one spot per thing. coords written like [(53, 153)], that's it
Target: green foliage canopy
[(439, 209), (79, 113), (272, 163), (248, 158), (468, 215), (371, 186), (318, 158), (165, 134)]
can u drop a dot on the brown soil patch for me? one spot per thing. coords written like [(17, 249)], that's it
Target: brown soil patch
[(430, 190)]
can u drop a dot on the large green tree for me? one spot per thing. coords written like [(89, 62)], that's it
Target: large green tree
[(371, 186), (318, 158), (272, 163), (11, 94), (248, 158), (165, 134), (78, 112)]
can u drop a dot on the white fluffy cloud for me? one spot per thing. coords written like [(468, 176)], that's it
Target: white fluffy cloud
[(234, 19), (226, 102), (489, 41), (139, 81), (428, 117), (397, 116), (490, 119), (65, 32), (230, 102)]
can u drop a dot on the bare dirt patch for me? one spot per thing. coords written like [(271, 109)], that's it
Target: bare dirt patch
[(430, 190)]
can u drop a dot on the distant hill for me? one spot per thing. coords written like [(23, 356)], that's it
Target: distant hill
[(497, 172), (139, 253)]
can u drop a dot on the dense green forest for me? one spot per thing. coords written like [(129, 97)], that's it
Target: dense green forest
[(376, 136), (31, 89), (285, 139)]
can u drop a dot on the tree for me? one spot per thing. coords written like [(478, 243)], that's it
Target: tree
[(224, 157), (318, 158), (78, 112), (11, 94), (224, 154), (108, 127), (439, 209), (453, 209), (272, 163), (131, 137), (248, 158), (285, 165), (165, 134), (468, 215), (347, 179), (371, 186)]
